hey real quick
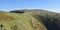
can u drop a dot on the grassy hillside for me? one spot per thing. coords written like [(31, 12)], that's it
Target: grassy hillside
[(15, 21), (30, 20)]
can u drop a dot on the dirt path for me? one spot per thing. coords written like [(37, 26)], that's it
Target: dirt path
[(39, 25)]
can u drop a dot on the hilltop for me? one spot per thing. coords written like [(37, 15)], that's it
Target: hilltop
[(36, 19)]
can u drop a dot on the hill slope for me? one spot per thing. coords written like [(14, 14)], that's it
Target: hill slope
[(30, 20), (14, 21)]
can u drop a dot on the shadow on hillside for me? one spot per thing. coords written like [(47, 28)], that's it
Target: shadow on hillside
[(17, 11), (50, 22)]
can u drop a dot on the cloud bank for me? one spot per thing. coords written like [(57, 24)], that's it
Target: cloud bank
[(56, 10)]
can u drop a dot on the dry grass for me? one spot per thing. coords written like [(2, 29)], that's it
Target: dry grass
[(5, 17)]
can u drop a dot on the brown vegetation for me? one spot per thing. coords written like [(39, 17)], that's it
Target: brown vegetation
[(5, 17)]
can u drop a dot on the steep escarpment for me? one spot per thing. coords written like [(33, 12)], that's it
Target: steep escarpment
[(49, 19)]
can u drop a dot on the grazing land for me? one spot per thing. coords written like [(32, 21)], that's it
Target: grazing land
[(36, 19)]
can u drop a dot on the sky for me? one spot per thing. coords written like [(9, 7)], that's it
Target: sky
[(50, 5)]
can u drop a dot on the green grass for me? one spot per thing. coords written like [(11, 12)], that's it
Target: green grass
[(11, 19), (26, 21)]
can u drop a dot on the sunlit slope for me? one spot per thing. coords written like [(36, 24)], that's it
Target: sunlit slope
[(14, 21), (39, 19)]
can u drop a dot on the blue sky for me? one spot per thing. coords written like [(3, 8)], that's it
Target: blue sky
[(51, 5)]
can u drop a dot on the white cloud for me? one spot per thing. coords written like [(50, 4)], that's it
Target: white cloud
[(55, 10)]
